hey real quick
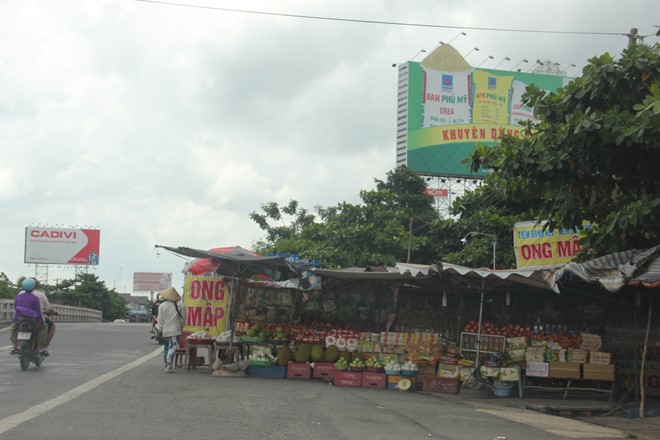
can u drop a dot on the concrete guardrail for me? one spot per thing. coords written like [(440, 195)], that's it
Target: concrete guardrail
[(66, 313)]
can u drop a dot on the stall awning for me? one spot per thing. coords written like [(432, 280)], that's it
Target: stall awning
[(445, 275), (614, 271), (241, 263), (539, 278), (383, 273)]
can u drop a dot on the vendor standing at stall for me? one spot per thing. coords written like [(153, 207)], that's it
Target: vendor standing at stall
[(171, 319)]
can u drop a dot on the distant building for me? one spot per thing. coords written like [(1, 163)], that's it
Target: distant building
[(138, 307)]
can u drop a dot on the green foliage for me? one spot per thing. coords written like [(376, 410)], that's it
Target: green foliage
[(90, 292), (389, 224), (592, 157), (8, 290)]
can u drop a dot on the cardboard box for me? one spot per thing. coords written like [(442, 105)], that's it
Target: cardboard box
[(565, 370), (440, 385), (448, 367), (427, 370), (348, 379), (324, 370), (374, 380), (537, 369), (298, 371), (509, 374), (598, 372)]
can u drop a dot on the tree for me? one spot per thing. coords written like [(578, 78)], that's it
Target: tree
[(86, 290), (7, 289), (593, 156), (386, 228)]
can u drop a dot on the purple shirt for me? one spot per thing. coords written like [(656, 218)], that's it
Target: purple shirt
[(27, 304)]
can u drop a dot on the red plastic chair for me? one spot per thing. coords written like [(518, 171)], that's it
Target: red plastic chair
[(184, 355)]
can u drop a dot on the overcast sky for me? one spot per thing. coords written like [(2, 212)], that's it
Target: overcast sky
[(167, 124)]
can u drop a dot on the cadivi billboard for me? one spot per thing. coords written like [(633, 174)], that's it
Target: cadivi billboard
[(62, 246)]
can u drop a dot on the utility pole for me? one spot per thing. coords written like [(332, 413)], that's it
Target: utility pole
[(632, 37)]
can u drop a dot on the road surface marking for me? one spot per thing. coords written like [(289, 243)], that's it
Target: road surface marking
[(13, 421), (566, 427)]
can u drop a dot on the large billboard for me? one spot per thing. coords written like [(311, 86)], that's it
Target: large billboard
[(447, 113), (151, 281), (79, 247)]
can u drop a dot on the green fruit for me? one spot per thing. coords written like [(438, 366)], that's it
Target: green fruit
[(283, 356), (331, 354), (303, 352), (251, 333), (317, 353)]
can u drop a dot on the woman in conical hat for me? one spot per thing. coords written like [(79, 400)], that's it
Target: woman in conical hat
[(171, 317)]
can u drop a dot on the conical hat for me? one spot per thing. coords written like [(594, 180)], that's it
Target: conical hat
[(170, 294)]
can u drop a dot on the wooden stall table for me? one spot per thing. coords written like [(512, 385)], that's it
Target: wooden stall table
[(223, 350), (209, 344), (569, 377)]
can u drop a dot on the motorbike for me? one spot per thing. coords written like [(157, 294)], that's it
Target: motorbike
[(155, 333), (27, 344)]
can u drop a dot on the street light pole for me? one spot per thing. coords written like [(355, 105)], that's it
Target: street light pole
[(494, 237)]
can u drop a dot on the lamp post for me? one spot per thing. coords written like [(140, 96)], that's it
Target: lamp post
[(481, 301), (494, 237)]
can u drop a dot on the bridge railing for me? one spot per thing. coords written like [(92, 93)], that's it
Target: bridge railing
[(65, 313)]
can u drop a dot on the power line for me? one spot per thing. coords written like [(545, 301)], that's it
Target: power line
[(390, 23)]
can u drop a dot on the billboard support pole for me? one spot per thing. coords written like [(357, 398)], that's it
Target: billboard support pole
[(41, 273)]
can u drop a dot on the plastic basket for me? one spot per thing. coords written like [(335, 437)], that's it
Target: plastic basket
[(271, 371), (258, 363), (392, 372), (409, 373)]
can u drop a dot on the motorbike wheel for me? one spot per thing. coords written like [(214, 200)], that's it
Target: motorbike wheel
[(24, 356)]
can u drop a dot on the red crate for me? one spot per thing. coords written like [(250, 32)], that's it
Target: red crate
[(298, 371), (324, 370), (348, 375), (348, 378), (374, 380), (440, 385)]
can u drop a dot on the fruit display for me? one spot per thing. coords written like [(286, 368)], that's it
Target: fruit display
[(409, 366), (317, 353), (331, 354), (262, 356), (488, 328), (357, 364), (374, 364), (257, 331), (392, 366), (303, 353), (225, 337), (278, 334), (341, 364), (283, 356), (201, 334)]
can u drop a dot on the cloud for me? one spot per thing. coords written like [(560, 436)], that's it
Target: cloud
[(165, 124)]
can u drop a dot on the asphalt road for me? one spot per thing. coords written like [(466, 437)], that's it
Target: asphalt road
[(106, 381)]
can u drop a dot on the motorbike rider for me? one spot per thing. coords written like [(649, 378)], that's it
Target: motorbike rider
[(47, 332), (154, 315), (26, 306)]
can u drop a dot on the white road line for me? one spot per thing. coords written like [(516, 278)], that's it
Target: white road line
[(557, 425), (13, 421)]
